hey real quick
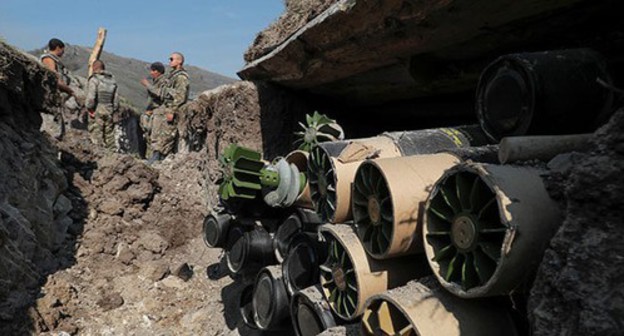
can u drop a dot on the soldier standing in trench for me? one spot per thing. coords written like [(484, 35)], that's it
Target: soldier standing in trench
[(103, 107), (173, 94), (158, 81), (52, 61)]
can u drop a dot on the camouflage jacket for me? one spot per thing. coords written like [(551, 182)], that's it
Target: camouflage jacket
[(153, 100), (176, 90), (102, 92)]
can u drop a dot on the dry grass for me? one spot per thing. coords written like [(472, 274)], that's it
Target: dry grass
[(296, 15)]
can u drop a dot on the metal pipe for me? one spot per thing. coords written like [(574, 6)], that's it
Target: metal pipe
[(551, 92), (429, 141), (301, 266), (250, 251), (310, 312), (302, 220), (245, 307), (270, 300), (215, 228), (270, 222), (483, 154), (310, 219), (388, 197), (424, 308), (284, 234), (544, 147), (349, 276), (486, 228)]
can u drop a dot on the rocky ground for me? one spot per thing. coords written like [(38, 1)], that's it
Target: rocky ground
[(139, 264)]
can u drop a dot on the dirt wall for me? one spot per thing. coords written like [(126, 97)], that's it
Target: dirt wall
[(578, 286), (35, 213), (256, 115)]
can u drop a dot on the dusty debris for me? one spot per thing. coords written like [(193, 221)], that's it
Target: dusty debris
[(155, 271), (110, 301), (184, 272)]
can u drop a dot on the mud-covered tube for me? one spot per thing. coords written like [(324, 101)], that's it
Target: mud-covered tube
[(429, 141), (310, 312), (424, 308), (245, 307), (541, 147), (388, 197), (270, 300), (251, 251), (350, 276), (405, 143), (552, 92), (215, 229), (301, 266), (486, 228)]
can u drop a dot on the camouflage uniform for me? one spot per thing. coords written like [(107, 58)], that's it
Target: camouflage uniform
[(63, 73), (102, 97), (173, 94), (153, 102)]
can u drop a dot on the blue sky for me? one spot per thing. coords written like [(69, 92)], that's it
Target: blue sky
[(212, 34)]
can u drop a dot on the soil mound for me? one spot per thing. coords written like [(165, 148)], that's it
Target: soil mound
[(296, 15)]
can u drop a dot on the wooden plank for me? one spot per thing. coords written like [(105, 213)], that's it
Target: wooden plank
[(97, 48)]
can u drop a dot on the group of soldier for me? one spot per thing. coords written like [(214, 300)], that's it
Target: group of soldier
[(166, 94)]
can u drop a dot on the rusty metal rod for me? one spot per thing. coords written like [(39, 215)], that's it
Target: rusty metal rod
[(541, 147)]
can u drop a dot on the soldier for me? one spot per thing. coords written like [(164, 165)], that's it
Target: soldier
[(103, 106), (157, 71), (52, 61), (173, 94)]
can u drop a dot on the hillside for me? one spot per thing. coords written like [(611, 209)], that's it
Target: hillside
[(129, 72)]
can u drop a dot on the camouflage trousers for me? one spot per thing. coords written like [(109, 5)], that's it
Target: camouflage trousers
[(146, 122), (58, 124), (164, 134), (102, 130), (122, 140)]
